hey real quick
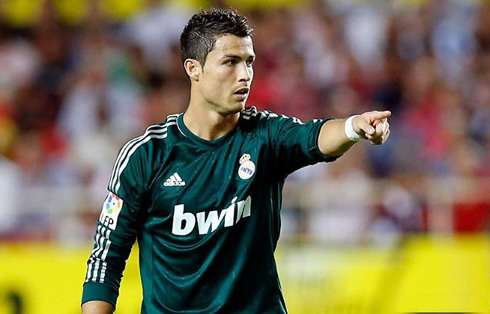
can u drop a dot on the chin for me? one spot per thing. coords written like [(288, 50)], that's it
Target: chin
[(241, 107), (234, 108)]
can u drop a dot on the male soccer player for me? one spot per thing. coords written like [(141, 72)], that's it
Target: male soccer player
[(202, 191)]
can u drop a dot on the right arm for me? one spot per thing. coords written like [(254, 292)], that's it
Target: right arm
[(116, 230), (97, 307)]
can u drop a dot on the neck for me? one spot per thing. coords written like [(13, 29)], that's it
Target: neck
[(207, 123)]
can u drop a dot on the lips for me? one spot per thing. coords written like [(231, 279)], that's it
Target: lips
[(242, 91)]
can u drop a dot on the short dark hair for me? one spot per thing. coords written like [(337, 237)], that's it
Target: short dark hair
[(204, 28)]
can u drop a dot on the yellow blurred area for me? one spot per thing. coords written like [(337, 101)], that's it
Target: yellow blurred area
[(443, 274), (424, 274), (25, 12), (22, 13)]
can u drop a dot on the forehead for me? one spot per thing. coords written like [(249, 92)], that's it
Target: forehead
[(233, 45)]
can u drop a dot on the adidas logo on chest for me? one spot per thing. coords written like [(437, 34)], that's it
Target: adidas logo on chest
[(174, 180)]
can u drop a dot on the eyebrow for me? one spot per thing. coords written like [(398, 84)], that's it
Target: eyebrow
[(237, 57)]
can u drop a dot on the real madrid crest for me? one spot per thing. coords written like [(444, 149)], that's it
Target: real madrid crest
[(247, 167)]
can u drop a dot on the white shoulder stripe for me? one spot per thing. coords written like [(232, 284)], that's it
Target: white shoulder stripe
[(270, 114), (117, 182), (127, 150), (127, 146), (152, 129), (122, 154)]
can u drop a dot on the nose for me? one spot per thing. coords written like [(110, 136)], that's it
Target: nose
[(245, 72)]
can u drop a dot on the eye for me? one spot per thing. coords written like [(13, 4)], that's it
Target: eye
[(230, 62), (250, 62)]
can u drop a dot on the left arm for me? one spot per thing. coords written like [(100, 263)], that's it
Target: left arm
[(372, 126)]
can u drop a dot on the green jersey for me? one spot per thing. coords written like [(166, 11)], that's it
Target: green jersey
[(206, 215)]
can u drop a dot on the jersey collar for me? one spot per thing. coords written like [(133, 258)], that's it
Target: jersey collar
[(200, 141)]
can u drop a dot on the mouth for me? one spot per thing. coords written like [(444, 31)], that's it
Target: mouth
[(242, 93)]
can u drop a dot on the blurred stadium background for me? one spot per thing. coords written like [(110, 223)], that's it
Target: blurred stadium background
[(398, 228)]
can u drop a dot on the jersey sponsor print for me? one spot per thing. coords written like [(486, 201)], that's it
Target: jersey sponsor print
[(208, 221)]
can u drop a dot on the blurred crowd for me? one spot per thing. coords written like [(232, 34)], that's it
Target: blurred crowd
[(71, 95)]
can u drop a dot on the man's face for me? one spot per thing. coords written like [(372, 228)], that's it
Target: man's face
[(227, 74)]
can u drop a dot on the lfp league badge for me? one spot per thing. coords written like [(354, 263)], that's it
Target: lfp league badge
[(110, 210)]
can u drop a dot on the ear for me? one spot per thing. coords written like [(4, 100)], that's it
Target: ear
[(193, 69)]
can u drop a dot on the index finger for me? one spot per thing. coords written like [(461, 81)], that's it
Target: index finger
[(380, 115)]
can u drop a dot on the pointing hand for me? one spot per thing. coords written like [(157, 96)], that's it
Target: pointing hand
[(373, 126)]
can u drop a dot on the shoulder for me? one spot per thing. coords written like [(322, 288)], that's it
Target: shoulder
[(138, 155), (251, 117), (251, 113), (154, 133)]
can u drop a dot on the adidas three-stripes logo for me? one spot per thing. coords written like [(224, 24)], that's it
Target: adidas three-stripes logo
[(174, 180)]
